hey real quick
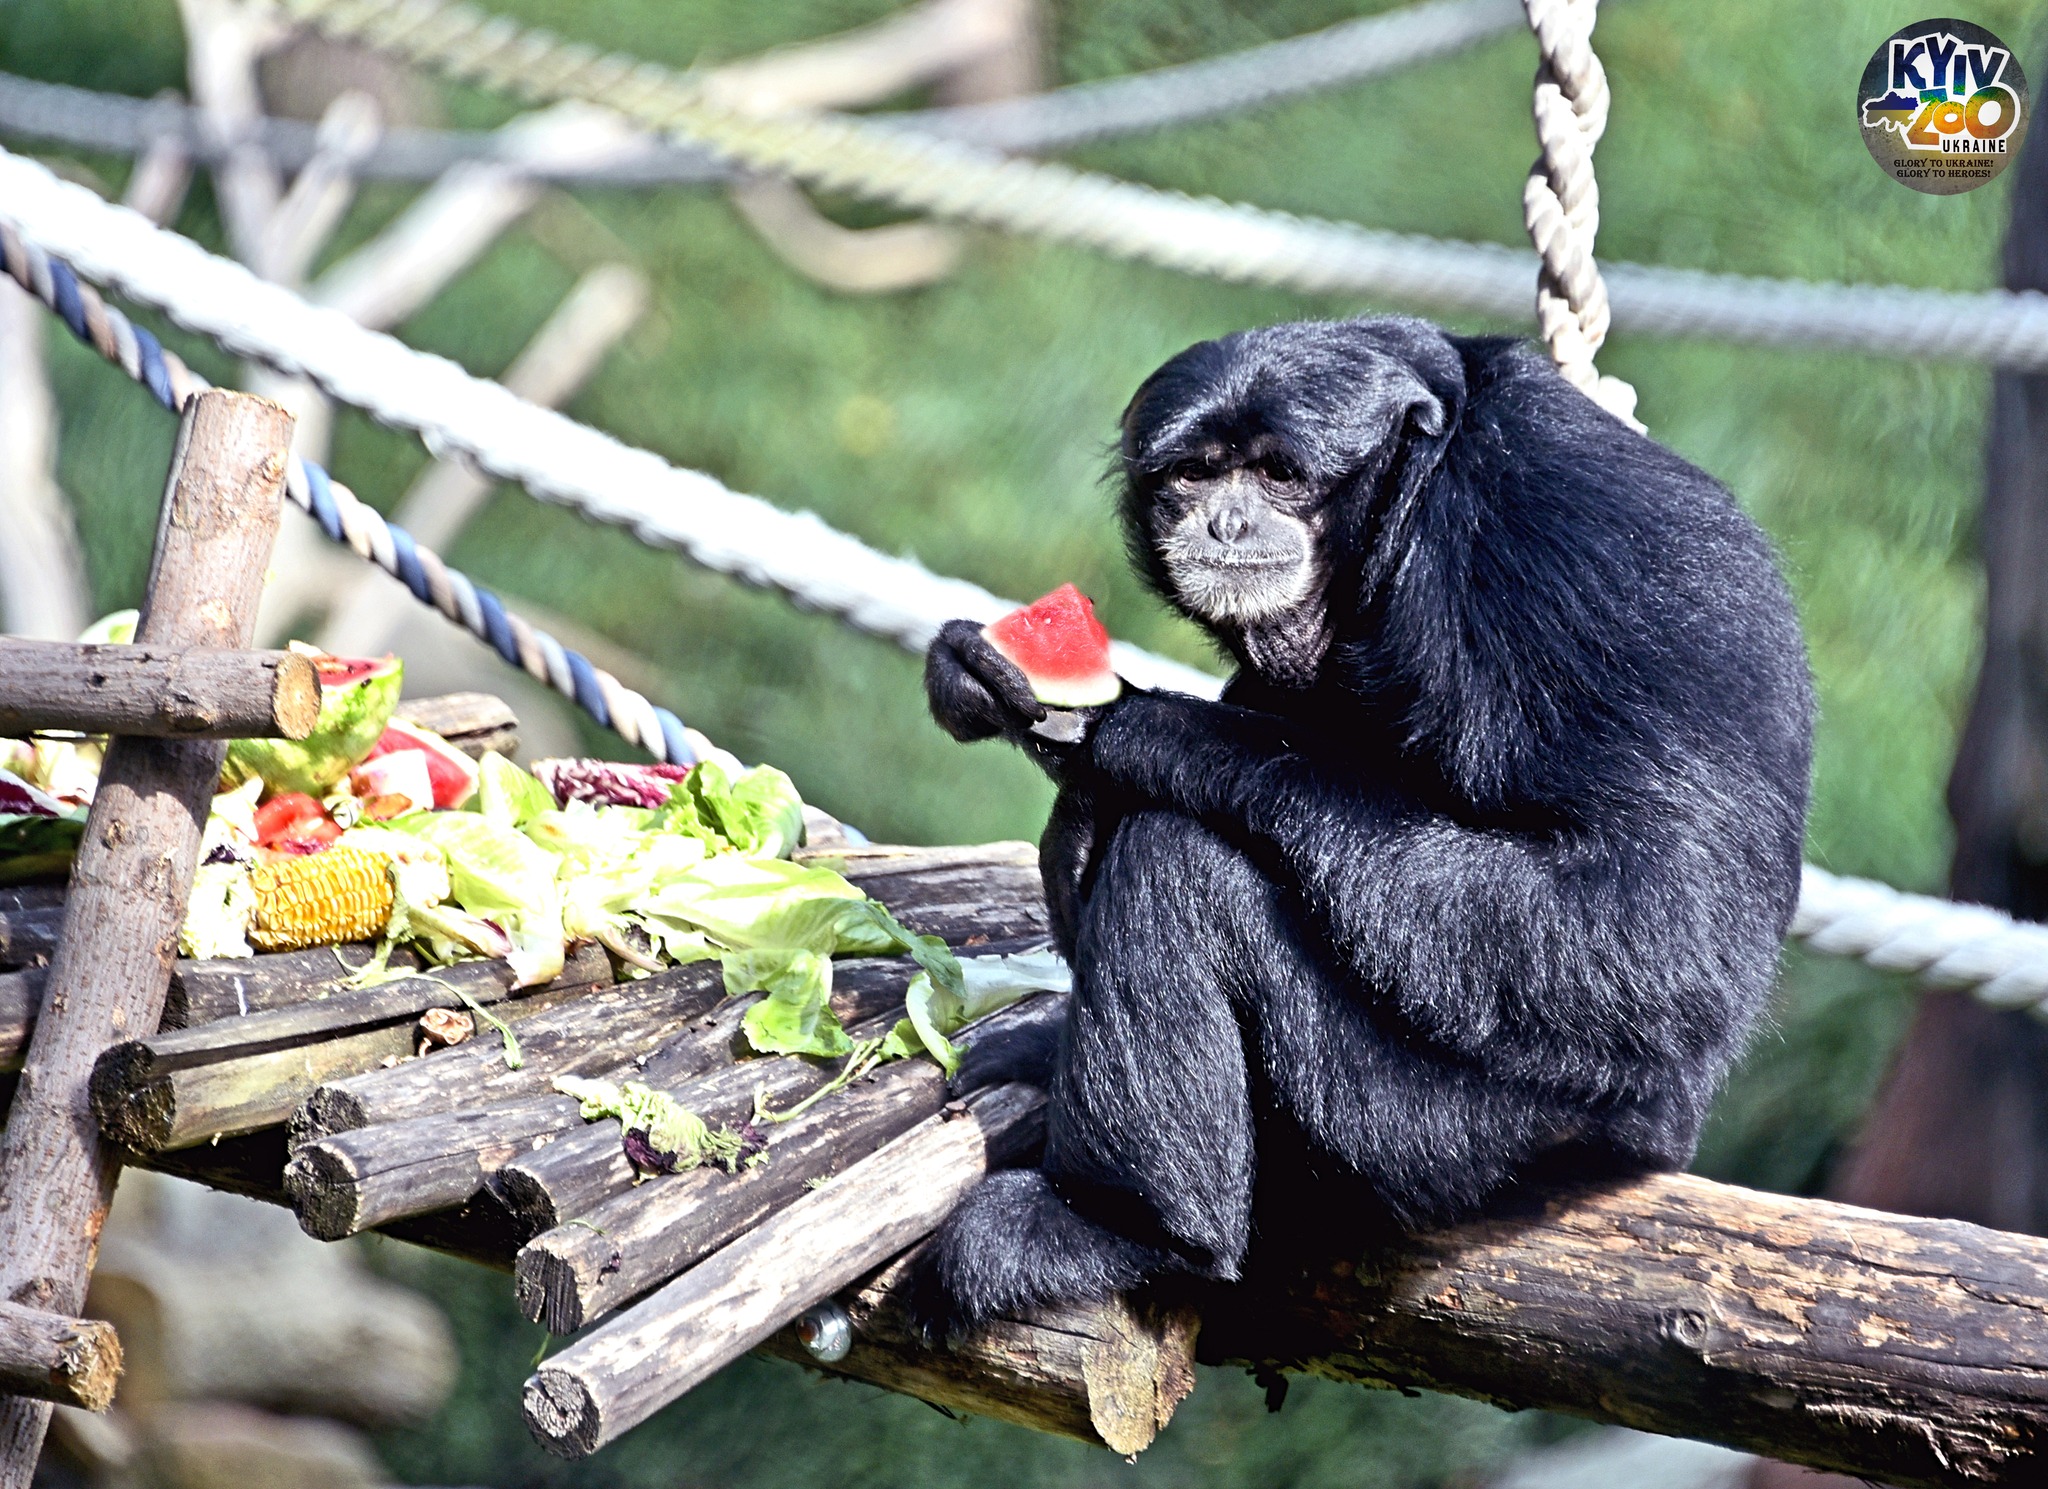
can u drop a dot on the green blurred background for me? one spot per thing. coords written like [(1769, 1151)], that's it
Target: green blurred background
[(969, 423)]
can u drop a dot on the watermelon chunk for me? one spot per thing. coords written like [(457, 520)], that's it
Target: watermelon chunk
[(452, 773), (1061, 647)]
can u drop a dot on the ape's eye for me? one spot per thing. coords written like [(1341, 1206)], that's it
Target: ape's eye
[(1276, 470), (1190, 472)]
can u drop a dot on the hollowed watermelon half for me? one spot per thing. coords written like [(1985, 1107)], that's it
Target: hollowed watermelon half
[(357, 695), (1061, 647)]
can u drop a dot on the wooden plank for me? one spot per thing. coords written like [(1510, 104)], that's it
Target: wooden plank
[(132, 875), (625, 1371), (153, 1110), (156, 692), (475, 723), (553, 1182), (235, 987), (579, 1272), (70, 1361), (596, 1032)]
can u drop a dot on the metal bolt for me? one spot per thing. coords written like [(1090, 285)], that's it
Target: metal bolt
[(826, 1332)]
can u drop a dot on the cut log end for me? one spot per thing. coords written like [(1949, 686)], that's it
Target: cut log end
[(71, 1361), (545, 1287), (134, 1107), (295, 705), (562, 1413), (323, 1114), (324, 1191)]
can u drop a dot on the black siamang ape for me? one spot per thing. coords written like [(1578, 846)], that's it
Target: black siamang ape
[(1479, 868)]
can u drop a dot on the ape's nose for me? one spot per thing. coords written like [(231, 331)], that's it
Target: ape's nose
[(1230, 524)]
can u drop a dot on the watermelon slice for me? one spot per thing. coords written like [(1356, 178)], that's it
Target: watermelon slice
[(357, 695), (453, 773), (1061, 647)]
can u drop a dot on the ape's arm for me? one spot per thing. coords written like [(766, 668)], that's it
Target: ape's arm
[(1563, 957)]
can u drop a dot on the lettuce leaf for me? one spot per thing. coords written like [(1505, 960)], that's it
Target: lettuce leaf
[(796, 1017), (500, 876), (936, 1011), (507, 795)]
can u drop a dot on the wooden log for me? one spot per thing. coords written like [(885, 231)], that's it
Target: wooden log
[(986, 892), (1109, 1375), (1914, 1352), (71, 1361), (28, 936), (313, 1021), (348, 1181), (352, 1181), (573, 1174), (151, 1109), (597, 1032), (652, 1353), (683, 1014), (235, 987), (132, 875), (577, 1273), (553, 1182), (155, 692), (475, 723)]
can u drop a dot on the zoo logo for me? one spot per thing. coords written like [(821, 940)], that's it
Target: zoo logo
[(1943, 106)]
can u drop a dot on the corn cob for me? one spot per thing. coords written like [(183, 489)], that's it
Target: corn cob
[(342, 894)]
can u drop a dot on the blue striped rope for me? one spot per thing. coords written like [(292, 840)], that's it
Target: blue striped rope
[(477, 609)]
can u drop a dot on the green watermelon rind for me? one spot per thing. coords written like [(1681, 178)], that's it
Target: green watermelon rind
[(352, 720)]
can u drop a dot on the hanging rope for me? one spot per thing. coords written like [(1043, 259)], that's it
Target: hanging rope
[(347, 519), (1561, 198)]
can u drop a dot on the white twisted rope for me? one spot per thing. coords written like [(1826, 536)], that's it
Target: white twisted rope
[(554, 457), (1561, 198), (2003, 961)]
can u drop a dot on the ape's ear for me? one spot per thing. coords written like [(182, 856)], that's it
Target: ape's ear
[(1428, 413)]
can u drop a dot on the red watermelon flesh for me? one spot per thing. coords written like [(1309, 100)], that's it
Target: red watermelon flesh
[(1061, 647), (452, 773)]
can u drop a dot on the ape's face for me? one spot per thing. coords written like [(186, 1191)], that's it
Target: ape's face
[(1238, 530), (1241, 457)]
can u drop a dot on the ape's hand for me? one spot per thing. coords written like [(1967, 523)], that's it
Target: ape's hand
[(975, 691)]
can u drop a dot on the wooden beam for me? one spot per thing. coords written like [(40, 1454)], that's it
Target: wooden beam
[(132, 875), (475, 723), (70, 1361), (1910, 1352), (628, 1369), (202, 693)]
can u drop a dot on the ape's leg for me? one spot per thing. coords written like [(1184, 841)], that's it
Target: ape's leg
[(1148, 1158), (1430, 1136)]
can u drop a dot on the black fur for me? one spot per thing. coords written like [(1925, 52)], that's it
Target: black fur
[(1479, 869)]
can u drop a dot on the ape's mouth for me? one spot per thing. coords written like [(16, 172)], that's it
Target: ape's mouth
[(1241, 587)]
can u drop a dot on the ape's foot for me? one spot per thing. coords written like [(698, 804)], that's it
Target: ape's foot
[(1014, 1244)]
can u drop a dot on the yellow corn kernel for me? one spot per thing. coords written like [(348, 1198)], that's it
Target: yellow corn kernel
[(341, 894)]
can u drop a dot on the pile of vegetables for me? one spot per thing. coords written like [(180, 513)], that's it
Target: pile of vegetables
[(377, 829)]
